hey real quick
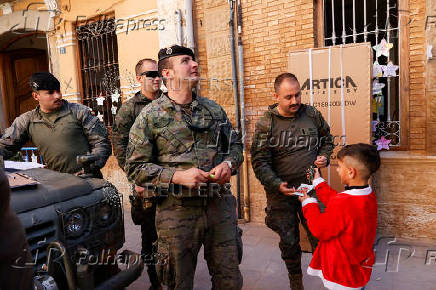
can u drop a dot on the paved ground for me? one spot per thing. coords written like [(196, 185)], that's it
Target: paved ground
[(262, 267)]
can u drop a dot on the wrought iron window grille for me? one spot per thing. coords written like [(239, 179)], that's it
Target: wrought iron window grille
[(371, 21), (98, 49)]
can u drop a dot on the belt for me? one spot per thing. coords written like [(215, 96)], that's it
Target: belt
[(186, 202)]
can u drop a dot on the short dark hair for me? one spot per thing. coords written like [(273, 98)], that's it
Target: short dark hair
[(165, 63), (139, 64), (366, 154), (281, 77)]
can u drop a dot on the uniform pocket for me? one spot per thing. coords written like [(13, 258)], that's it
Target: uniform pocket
[(176, 141)]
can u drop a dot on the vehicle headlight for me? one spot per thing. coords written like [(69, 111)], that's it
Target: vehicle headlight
[(104, 214), (75, 223)]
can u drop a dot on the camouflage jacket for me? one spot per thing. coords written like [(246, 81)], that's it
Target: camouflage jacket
[(163, 139), (273, 162), (124, 120), (74, 132)]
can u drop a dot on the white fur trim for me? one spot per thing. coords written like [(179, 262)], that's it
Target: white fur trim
[(317, 181), (329, 284), (357, 192), (308, 200)]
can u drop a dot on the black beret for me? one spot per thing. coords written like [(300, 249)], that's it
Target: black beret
[(44, 81), (175, 50)]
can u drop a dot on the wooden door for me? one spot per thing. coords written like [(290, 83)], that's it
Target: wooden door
[(17, 67)]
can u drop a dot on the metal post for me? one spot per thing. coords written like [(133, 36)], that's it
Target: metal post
[(354, 21), (343, 22), (333, 23)]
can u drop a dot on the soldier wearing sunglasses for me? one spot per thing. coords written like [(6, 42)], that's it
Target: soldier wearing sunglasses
[(183, 146), (143, 210)]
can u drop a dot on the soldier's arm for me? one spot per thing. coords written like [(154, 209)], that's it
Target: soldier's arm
[(15, 136), (261, 158), (235, 145), (140, 166), (120, 132), (97, 135), (326, 140)]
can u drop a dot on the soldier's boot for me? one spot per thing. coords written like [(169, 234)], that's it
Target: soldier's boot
[(152, 275), (296, 281)]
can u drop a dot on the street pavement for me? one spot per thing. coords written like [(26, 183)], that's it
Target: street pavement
[(400, 264)]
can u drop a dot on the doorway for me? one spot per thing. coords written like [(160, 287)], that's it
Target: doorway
[(18, 61)]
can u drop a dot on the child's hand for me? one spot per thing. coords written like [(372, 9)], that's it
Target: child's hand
[(302, 198), (317, 174), (321, 161)]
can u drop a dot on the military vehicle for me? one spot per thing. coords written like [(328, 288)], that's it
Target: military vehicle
[(75, 229)]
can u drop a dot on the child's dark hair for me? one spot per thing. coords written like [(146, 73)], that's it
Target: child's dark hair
[(364, 153)]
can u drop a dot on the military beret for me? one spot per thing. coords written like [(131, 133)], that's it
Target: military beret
[(44, 81), (173, 51)]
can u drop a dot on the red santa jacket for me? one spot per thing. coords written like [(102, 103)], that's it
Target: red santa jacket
[(346, 232)]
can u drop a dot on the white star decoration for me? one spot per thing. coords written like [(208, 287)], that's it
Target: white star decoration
[(390, 70), (377, 87), (429, 52), (382, 48), (100, 101), (114, 110), (115, 97), (100, 116), (377, 70)]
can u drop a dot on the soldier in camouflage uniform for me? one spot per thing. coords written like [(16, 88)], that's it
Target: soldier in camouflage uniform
[(183, 146), (289, 138), (143, 211), (59, 129)]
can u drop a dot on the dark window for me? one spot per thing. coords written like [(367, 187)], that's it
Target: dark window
[(99, 68)]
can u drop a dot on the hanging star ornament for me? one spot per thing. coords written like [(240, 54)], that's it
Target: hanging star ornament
[(390, 70), (382, 143), (377, 87), (115, 97), (100, 116), (377, 71), (100, 101), (383, 48)]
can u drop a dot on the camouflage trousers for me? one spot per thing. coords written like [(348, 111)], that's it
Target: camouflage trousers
[(183, 226), (143, 214), (283, 216)]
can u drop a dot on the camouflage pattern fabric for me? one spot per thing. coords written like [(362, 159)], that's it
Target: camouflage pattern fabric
[(124, 120), (75, 132), (164, 139), (276, 162), (143, 212)]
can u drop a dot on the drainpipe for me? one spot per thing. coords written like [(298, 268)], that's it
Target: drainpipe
[(242, 121), (179, 26), (189, 25), (235, 92)]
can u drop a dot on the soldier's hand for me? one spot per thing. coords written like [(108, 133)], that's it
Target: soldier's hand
[(321, 161), (220, 174), (283, 188), (190, 178), (139, 190)]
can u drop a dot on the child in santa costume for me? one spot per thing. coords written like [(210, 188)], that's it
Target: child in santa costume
[(346, 229)]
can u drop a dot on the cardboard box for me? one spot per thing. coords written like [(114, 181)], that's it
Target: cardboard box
[(353, 65), (357, 92)]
